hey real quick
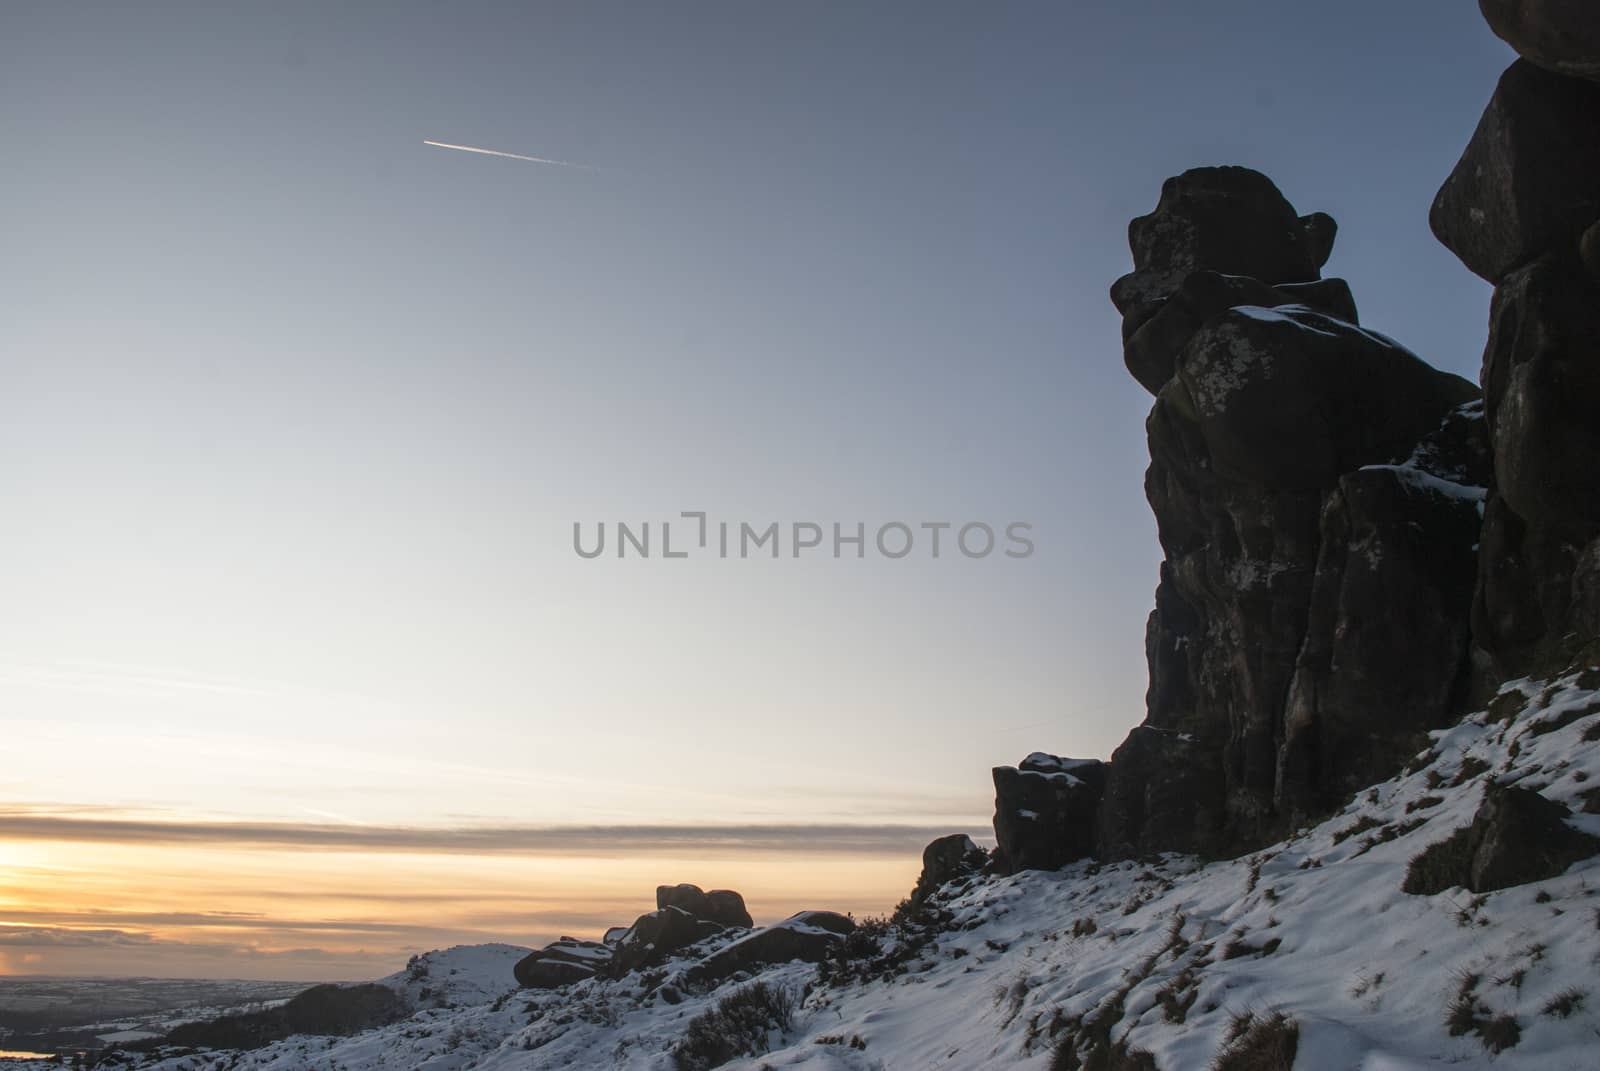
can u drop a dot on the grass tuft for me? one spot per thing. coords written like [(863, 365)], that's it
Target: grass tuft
[(1259, 1044)]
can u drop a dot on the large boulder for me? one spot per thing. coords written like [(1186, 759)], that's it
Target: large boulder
[(1541, 377), (1045, 811), (1386, 651), (1290, 398), (1536, 599), (1167, 793), (1151, 351), (722, 906), (807, 936), (564, 962), (1268, 410), (1529, 180), (943, 861), (656, 935), (536, 972), (1517, 836), (1521, 837), (1225, 219), (1559, 35), (1522, 209)]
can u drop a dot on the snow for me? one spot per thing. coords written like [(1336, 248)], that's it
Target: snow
[(1308, 319), (1315, 927), (462, 975), (577, 951), (1294, 315), (1426, 481), (127, 1035), (1058, 776), (1046, 762)]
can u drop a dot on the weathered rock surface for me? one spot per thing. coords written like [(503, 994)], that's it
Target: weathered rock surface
[(656, 935), (1224, 219), (1045, 811), (1517, 836), (943, 861), (1396, 546), (1529, 180), (1521, 209), (536, 972), (807, 936), (1316, 490), (1168, 793), (1559, 35), (1152, 349), (562, 963), (1536, 596), (722, 906)]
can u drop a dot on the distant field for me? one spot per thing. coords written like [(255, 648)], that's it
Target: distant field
[(61, 1015)]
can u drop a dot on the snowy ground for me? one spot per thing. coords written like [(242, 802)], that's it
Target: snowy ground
[(1316, 928)]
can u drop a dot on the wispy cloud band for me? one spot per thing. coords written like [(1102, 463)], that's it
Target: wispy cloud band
[(30, 824)]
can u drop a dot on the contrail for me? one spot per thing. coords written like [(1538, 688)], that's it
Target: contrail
[(509, 155)]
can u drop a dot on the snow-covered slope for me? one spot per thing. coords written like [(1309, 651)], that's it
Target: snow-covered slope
[(457, 977), (1165, 957)]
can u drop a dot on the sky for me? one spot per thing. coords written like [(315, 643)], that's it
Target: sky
[(299, 669)]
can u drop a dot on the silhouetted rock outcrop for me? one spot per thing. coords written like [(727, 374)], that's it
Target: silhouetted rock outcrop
[(722, 906), (1313, 546), (1317, 491), (566, 961), (807, 936), (656, 935), (1521, 210), (1387, 628), (943, 861), (1044, 811), (1529, 180)]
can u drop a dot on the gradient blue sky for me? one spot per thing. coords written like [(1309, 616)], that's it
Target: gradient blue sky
[(297, 413)]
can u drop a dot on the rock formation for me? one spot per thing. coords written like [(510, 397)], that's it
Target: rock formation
[(1325, 500), (566, 961), (683, 926), (1044, 811), (722, 906), (1521, 210), (1316, 495), (1517, 836), (807, 936), (1317, 491), (943, 861), (1560, 35)]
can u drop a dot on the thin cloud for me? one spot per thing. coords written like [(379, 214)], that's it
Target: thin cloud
[(24, 823), (509, 155)]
